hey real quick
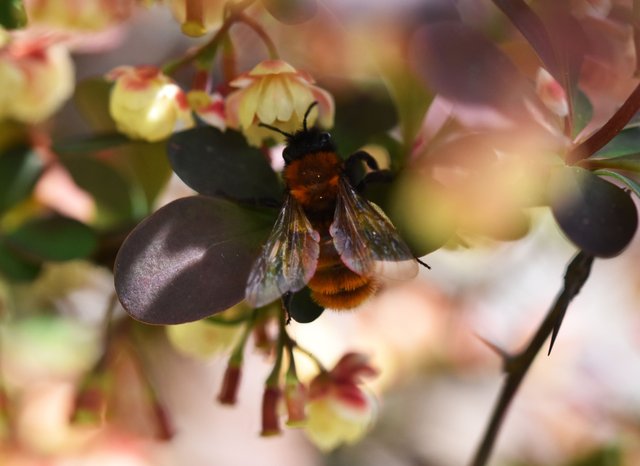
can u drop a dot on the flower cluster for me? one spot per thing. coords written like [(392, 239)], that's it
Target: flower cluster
[(147, 104)]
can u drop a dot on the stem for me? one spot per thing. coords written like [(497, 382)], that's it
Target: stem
[(517, 366), (274, 377), (307, 353), (608, 131), (259, 30), (212, 45)]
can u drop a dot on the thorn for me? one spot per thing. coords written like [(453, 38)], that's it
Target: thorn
[(556, 329), (504, 355)]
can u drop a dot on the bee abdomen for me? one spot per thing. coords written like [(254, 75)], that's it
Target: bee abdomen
[(337, 287)]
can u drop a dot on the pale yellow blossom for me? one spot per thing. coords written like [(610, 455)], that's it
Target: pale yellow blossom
[(276, 94), (146, 104), (36, 77)]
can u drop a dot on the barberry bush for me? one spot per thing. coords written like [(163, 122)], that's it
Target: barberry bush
[(142, 151)]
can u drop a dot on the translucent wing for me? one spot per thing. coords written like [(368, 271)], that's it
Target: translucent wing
[(366, 240), (288, 259)]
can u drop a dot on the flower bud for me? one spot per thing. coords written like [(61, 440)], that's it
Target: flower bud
[(339, 410), (146, 104), (36, 78), (295, 396), (197, 17), (210, 108), (270, 416), (551, 93), (230, 384)]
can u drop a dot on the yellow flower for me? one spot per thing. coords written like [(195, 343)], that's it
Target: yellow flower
[(339, 411), (210, 108), (36, 77), (203, 339), (146, 104), (276, 94), (84, 15), (198, 16)]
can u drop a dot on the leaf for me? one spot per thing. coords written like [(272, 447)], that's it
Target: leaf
[(92, 100), (15, 267), (222, 164), (463, 66), (554, 34), (89, 144), (20, 168), (362, 113), (53, 239), (147, 166), (12, 14), (627, 142), (411, 100), (597, 216), (291, 11), (110, 190), (189, 260), (303, 308), (632, 184), (582, 112)]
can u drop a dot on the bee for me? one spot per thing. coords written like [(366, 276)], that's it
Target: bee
[(327, 236)]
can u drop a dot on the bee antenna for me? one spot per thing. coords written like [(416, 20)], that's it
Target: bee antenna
[(306, 114), (277, 130)]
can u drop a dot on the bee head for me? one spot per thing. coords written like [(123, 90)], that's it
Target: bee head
[(306, 141)]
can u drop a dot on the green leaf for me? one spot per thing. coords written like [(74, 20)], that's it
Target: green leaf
[(582, 112), (222, 164), (629, 163), (111, 191), (632, 184), (148, 167), (15, 267), (89, 144), (190, 259), (362, 112), (609, 455), (627, 142), (12, 14), (20, 168), (599, 217), (92, 100), (412, 100), (53, 239)]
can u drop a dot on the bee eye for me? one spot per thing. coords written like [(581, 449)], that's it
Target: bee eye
[(325, 138), (286, 155)]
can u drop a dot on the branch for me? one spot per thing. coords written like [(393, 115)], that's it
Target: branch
[(608, 131), (517, 366)]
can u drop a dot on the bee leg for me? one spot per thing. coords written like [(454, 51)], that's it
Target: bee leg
[(380, 176), (422, 263), (286, 305), (361, 156)]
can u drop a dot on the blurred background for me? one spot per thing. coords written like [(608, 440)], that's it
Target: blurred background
[(492, 279)]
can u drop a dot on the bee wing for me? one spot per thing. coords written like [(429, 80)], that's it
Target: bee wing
[(288, 259), (366, 240)]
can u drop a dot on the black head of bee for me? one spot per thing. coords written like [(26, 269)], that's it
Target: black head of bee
[(306, 141)]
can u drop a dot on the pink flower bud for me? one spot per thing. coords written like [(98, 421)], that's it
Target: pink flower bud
[(551, 93), (270, 417), (230, 384), (295, 396)]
